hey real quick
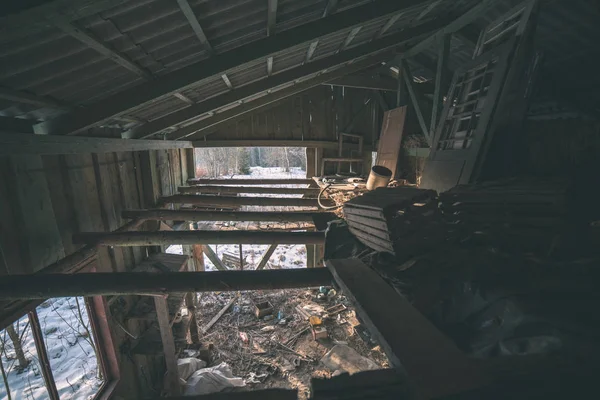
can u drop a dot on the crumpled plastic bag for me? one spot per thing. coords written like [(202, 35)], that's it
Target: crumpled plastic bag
[(187, 366), (212, 380)]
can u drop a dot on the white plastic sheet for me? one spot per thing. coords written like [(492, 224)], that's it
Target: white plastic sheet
[(187, 366), (212, 380)]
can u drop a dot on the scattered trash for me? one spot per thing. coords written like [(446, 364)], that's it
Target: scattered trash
[(280, 314), (263, 308), (254, 378), (338, 308), (212, 380), (342, 357), (187, 366), (323, 289), (268, 317), (244, 337), (319, 332), (314, 320), (282, 321), (268, 328)]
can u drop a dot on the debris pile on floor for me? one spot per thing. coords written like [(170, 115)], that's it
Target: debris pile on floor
[(283, 338)]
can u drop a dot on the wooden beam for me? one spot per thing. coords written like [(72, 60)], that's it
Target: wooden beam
[(194, 74), (351, 35), (262, 394), (408, 80), (219, 201), (128, 239), (168, 343), (279, 181), (312, 47), (15, 287), (427, 10), (263, 86), (365, 82), (452, 27), (227, 81), (193, 21), (87, 38), (271, 16), (42, 354), (431, 360), (265, 258), (386, 27), (269, 66), (185, 215), (247, 189), (326, 144), (330, 8), (441, 80), (30, 98), (213, 258), (17, 143)]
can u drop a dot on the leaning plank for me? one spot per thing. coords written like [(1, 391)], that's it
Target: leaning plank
[(18, 144), (247, 189), (213, 258), (283, 181), (265, 258), (195, 237), (29, 287), (166, 336), (431, 360), (219, 201), (192, 215), (219, 315)]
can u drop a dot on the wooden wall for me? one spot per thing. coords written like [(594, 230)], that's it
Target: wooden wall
[(45, 199), (317, 114)]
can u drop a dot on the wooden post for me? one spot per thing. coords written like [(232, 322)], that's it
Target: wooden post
[(198, 255), (194, 237), (29, 287), (241, 258), (166, 334), (193, 215), (44, 361), (219, 201), (247, 189)]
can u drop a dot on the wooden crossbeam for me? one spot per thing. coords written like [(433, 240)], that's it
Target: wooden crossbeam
[(279, 181), (193, 21), (221, 201), (271, 16), (246, 189), (29, 287), (441, 80), (127, 239), (410, 86), (193, 215)]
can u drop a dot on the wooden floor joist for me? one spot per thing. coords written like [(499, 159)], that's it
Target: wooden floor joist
[(192, 215), (283, 181), (29, 287), (220, 201), (195, 237), (247, 189)]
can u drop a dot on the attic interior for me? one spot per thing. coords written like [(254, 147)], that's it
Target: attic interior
[(299, 199)]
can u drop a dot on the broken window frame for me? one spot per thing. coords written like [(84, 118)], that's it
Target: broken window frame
[(107, 358)]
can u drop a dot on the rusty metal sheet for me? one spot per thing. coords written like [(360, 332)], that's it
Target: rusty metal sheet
[(390, 138)]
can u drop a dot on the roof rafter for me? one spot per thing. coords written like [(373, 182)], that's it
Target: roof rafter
[(330, 8), (186, 9), (271, 17), (193, 74), (351, 35), (30, 98)]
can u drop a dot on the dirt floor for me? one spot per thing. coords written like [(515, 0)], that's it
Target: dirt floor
[(278, 350)]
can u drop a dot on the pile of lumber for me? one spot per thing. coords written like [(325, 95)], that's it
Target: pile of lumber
[(393, 219)]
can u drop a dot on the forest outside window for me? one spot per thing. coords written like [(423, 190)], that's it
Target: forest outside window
[(60, 350)]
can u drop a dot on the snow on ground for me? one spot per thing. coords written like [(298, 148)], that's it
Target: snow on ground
[(72, 359), (269, 173)]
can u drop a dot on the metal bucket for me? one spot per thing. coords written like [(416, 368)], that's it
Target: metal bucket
[(379, 177)]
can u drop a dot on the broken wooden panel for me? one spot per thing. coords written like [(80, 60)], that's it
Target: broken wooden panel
[(387, 219), (391, 138), (479, 130), (430, 360)]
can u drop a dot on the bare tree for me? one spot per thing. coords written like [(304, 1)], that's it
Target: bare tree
[(4, 377), (16, 340)]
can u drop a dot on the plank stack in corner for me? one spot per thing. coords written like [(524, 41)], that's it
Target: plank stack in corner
[(392, 220)]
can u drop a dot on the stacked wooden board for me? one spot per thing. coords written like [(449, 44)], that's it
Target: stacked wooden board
[(388, 219)]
